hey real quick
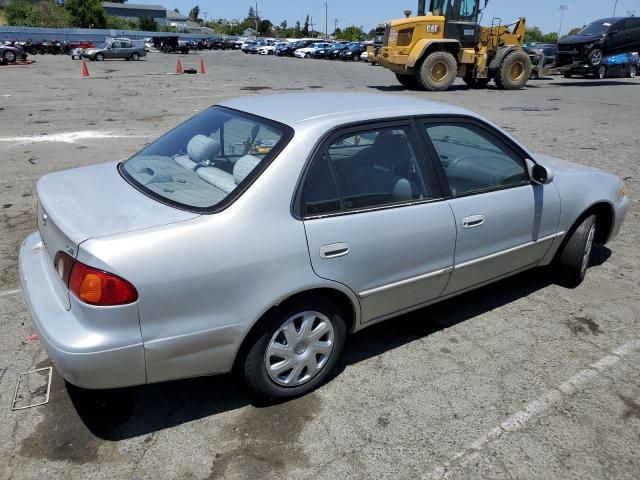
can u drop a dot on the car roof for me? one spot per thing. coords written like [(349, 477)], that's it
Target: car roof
[(339, 108)]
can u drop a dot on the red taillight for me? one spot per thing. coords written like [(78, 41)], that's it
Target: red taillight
[(94, 286)]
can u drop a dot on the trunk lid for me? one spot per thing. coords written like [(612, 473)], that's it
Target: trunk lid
[(89, 202)]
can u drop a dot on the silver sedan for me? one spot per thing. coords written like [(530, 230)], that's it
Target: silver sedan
[(255, 236)]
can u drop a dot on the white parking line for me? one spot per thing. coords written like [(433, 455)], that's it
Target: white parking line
[(6, 293), (538, 406)]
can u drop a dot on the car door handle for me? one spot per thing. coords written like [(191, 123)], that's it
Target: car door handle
[(334, 250), (472, 221)]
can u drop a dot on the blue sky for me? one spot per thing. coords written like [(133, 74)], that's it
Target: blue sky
[(543, 13)]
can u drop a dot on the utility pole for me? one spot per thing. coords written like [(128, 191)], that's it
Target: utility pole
[(205, 16), (563, 8), (256, 17), (326, 21), (311, 26), (615, 7), (335, 25)]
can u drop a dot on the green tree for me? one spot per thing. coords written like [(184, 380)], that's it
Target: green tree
[(177, 10), (37, 14), (305, 28), (252, 13), (297, 32), (283, 25), (194, 13), (147, 24), (86, 13), (117, 23), (533, 34), (574, 31), (550, 38), (352, 33)]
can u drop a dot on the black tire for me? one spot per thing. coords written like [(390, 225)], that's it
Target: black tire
[(573, 259), (10, 56), (601, 74), (410, 82), (307, 55), (595, 57), (253, 364), (567, 74), (356, 58), (135, 56), (99, 57), (514, 71), (476, 83), (632, 72), (437, 71)]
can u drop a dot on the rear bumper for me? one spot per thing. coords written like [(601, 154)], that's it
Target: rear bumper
[(91, 347)]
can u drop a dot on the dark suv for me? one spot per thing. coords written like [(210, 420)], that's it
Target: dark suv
[(599, 39)]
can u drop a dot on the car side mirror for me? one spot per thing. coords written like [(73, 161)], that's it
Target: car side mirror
[(539, 174)]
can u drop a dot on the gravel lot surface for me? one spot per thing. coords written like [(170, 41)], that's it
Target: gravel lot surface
[(522, 379)]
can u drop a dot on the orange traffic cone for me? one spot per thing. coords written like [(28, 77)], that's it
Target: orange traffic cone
[(202, 70), (179, 68), (85, 70)]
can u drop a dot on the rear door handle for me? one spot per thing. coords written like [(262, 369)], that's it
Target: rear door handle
[(334, 250), (472, 221)]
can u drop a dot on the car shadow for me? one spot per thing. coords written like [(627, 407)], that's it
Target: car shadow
[(124, 413), (595, 83)]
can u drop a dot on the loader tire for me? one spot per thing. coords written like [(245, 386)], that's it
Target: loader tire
[(514, 71), (437, 72)]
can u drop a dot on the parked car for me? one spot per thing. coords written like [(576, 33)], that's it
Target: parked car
[(620, 65), (247, 46), (269, 48), (353, 52), (11, 54), (229, 43), (114, 49), (255, 236), (599, 39), (542, 56), (309, 51), (333, 53), (290, 48)]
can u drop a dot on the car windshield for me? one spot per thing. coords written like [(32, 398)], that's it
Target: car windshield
[(201, 162), (354, 46), (102, 45), (596, 28)]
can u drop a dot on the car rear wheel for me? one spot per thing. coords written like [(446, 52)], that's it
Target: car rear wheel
[(295, 348), (514, 71), (10, 56), (595, 57), (567, 74), (574, 258), (135, 56), (99, 57), (438, 71), (633, 71)]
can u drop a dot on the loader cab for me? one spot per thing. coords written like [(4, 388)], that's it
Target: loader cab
[(461, 19)]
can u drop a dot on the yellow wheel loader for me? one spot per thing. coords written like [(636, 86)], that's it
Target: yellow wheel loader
[(429, 51)]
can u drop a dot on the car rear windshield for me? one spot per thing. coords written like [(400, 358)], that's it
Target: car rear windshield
[(207, 161)]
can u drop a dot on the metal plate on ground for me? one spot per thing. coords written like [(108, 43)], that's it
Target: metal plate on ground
[(32, 388)]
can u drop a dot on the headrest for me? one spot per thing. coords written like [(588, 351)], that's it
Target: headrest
[(202, 148), (244, 167)]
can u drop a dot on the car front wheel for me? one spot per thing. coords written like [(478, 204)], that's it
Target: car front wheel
[(595, 57), (10, 56), (633, 71), (295, 348), (574, 259), (99, 57)]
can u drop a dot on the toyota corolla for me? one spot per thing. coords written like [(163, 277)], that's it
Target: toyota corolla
[(257, 235)]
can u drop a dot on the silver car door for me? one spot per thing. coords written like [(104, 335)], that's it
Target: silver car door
[(375, 219), (504, 222)]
